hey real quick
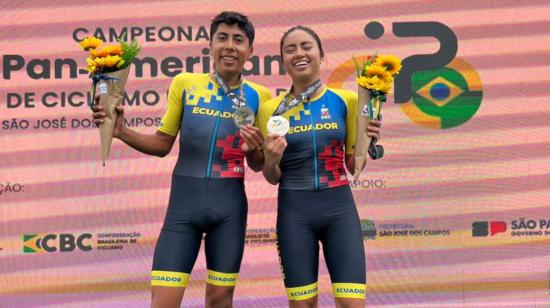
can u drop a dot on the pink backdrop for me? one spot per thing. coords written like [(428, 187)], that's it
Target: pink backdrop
[(453, 216)]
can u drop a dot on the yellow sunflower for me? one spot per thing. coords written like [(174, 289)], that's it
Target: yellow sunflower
[(95, 53), (384, 87), (91, 69), (374, 83), (362, 81), (368, 82), (99, 62), (377, 71), (111, 61), (91, 65), (391, 63), (120, 63), (90, 42)]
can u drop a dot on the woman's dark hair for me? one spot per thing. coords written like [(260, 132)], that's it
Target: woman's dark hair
[(306, 29)]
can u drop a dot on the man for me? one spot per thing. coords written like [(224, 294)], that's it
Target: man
[(207, 194)]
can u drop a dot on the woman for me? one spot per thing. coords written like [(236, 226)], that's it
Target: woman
[(310, 133)]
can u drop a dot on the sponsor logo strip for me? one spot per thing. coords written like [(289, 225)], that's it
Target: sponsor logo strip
[(169, 279), (302, 293), (222, 279), (349, 290)]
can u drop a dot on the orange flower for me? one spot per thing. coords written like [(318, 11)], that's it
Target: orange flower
[(94, 53), (113, 50), (104, 52)]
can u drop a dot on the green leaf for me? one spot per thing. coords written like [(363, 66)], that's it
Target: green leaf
[(371, 59), (357, 66), (129, 51)]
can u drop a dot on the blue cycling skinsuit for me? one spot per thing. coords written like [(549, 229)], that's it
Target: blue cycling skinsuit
[(315, 203), (207, 194)]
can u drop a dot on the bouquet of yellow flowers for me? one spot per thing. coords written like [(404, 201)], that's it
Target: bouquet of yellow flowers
[(109, 68), (374, 77)]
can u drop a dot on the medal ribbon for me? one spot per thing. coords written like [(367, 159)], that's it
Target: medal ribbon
[(238, 100), (287, 104)]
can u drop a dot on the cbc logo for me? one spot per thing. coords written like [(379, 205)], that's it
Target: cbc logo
[(64, 242)]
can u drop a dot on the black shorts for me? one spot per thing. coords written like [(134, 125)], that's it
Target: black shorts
[(215, 207), (329, 216)]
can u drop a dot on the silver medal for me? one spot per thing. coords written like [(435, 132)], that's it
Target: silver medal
[(278, 125), (243, 116)]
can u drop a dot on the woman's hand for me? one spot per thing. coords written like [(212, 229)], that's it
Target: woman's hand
[(274, 148), (373, 130)]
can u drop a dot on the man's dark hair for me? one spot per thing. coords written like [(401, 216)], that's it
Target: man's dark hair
[(307, 30), (231, 18)]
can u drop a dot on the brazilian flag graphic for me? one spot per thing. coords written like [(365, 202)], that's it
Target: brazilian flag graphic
[(444, 98), (31, 243)]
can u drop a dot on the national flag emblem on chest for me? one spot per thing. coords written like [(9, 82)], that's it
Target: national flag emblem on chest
[(325, 115)]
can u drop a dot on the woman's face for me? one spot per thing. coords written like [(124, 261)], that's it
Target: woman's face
[(301, 56)]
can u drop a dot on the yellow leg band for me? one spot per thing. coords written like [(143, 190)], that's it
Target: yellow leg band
[(304, 292), (222, 279), (169, 279), (349, 290)]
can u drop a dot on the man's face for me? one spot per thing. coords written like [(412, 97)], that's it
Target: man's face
[(229, 47)]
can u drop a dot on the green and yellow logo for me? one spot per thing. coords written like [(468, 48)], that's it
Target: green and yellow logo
[(441, 99), (63, 242), (444, 98), (31, 243)]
